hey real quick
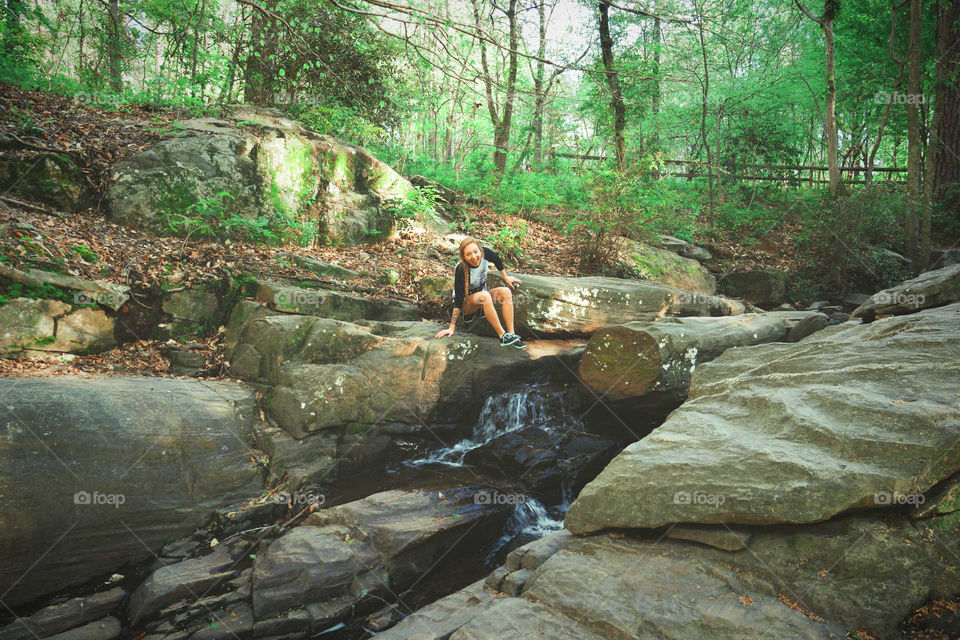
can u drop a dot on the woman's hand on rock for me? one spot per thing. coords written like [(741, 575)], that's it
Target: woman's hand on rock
[(444, 332)]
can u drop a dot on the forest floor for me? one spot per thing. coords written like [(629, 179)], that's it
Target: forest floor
[(34, 123)]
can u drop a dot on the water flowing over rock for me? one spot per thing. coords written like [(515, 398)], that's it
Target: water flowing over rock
[(269, 164), (796, 432), (326, 373), (100, 473)]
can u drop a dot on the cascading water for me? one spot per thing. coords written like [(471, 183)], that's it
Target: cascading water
[(532, 406), (530, 520)]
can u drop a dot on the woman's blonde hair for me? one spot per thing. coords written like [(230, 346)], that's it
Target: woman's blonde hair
[(466, 242)]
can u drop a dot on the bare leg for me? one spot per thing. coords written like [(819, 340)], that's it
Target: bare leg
[(504, 296), (484, 298)]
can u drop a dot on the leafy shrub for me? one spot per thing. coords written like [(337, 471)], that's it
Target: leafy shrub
[(419, 205), (844, 240)]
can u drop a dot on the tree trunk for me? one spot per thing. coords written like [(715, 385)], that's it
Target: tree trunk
[(501, 139), (259, 72), (945, 129), (913, 141), (830, 123), (703, 110), (538, 88), (116, 60), (613, 83)]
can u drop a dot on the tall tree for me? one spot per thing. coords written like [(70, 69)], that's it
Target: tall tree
[(501, 120), (613, 84), (830, 116), (944, 149), (914, 143)]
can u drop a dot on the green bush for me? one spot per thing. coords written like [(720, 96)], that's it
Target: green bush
[(419, 205), (843, 241)]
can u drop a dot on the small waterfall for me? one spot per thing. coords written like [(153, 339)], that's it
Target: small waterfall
[(502, 413), (529, 521)]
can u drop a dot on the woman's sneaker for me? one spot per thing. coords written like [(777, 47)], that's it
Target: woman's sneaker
[(518, 344), (509, 338)]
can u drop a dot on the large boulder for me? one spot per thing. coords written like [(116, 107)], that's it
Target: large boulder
[(51, 178), (766, 288), (667, 267), (268, 164), (658, 358), (330, 303), (929, 289), (326, 373), (382, 544), (99, 473), (852, 417), (858, 573), (556, 306)]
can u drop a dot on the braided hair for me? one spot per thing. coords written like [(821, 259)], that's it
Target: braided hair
[(466, 242)]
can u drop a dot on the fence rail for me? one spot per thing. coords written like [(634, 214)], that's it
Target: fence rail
[(814, 173)]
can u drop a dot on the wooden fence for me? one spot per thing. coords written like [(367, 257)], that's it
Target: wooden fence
[(810, 174)]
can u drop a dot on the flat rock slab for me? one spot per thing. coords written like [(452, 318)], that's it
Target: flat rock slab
[(659, 358), (930, 289), (105, 629), (624, 589), (437, 621), (554, 306), (516, 618), (381, 545), (99, 473), (853, 417), (330, 303), (191, 578), (64, 616)]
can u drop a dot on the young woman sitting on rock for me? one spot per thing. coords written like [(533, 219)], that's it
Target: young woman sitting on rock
[(470, 292)]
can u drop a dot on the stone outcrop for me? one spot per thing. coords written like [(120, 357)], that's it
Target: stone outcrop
[(553, 306), (658, 358), (100, 473), (268, 164), (930, 289), (794, 433), (667, 267), (766, 288), (336, 382)]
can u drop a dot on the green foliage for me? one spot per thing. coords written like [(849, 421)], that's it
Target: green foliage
[(419, 205), (38, 292), (84, 252), (211, 219), (843, 241), (509, 241)]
